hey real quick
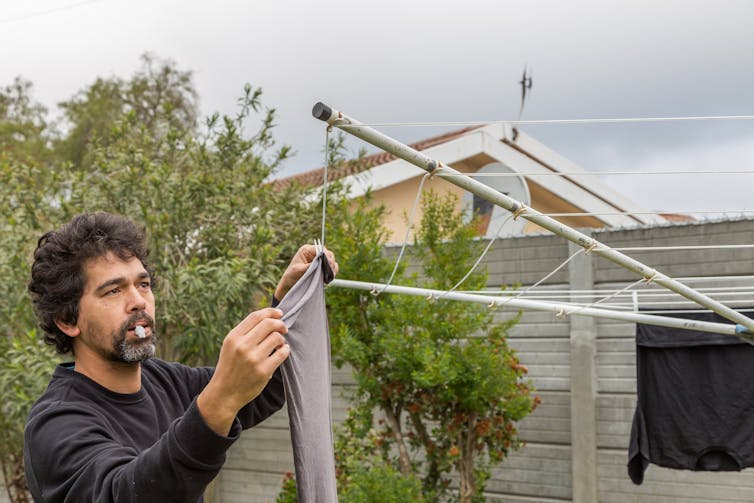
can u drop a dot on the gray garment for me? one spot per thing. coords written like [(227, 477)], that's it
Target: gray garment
[(306, 377)]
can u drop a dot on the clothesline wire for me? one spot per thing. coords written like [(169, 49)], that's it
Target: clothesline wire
[(509, 295), (409, 225), (577, 308), (687, 279), (43, 12), (717, 278), (558, 308), (482, 255), (521, 293), (682, 247), (324, 185), (665, 306), (733, 297), (605, 299), (655, 212), (687, 311), (616, 120), (649, 275), (747, 290), (602, 173)]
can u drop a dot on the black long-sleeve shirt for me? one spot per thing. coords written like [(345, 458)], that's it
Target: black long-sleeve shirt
[(85, 443)]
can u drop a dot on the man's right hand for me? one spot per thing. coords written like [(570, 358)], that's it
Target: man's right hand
[(250, 354)]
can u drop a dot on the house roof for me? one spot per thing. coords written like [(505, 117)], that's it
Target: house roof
[(313, 178), (502, 143)]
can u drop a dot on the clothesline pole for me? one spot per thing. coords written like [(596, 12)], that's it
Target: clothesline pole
[(349, 125), (555, 307)]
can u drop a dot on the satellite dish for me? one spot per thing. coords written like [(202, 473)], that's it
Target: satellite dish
[(492, 217)]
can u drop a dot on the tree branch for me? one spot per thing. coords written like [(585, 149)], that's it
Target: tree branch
[(393, 419)]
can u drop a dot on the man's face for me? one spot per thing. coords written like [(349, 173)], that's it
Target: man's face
[(117, 297)]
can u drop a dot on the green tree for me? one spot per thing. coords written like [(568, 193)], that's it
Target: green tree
[(25, 361), (24, 374), (24, 130), (219, 231), (363, 474), (439, 373), (160, 97), (26, 173)]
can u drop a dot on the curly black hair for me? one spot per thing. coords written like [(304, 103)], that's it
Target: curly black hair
[(57, 274)]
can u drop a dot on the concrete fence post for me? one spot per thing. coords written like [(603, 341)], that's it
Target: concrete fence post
[(583, 346)]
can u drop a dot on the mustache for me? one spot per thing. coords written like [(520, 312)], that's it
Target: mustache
[(136, 318)]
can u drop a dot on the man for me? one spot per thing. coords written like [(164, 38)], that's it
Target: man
[(117, 425)]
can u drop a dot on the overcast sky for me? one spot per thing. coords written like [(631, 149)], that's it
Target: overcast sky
[(417, 61)]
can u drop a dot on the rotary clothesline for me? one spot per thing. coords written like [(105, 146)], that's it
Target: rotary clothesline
[(744, 327), (611, 173), (618, 120), (623, 298), (629, 300), (526, 291), (560, 309), (650, 301)]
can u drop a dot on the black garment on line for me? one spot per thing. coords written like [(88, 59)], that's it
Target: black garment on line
[(306, 378), (695, 408)]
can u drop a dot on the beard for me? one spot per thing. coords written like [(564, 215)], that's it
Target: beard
[(132, 351)]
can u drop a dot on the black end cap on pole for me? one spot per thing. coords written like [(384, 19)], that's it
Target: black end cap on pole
[(321, 111)]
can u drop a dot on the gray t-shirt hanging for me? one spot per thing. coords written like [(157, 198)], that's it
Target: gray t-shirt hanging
[(306, 377)]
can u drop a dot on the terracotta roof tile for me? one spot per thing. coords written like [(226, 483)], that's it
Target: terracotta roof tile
[(677, 217), (313, 178)]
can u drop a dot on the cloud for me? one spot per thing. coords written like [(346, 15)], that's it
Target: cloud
[(706, 188)]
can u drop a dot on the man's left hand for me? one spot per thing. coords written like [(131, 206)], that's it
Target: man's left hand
[(298, 266)]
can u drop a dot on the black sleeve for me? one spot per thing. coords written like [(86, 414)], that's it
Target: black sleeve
[(86, 452), (76, 453), (267, 403)]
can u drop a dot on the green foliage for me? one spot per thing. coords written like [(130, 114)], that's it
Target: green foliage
[(288, 492), (23, 124), (363, 476), (219, 232), (382, 484), (159, 97), (24, 373), (440, 373)]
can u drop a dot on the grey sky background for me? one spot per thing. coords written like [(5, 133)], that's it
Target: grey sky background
[(439, 61)]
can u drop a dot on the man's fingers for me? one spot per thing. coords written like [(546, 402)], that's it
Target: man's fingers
[(280, 355), (298, 270), (331, 259), (255, 318), (273, 341), (264, 330), (308, 252), (275, 351)]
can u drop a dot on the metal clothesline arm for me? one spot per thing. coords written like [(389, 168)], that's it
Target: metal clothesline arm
[(349, 125), (554, 307)]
